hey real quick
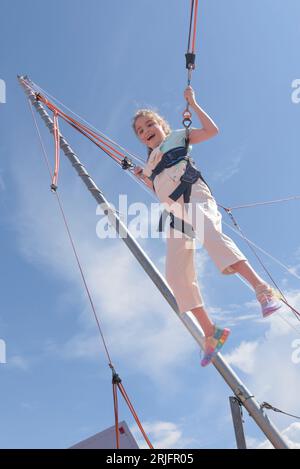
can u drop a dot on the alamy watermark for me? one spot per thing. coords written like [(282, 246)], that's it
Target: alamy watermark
[(151, 221), (2, 92), (2, 351), (295, 96), (296, 352)]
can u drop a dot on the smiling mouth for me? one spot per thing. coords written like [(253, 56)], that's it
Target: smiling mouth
[(150, 137)]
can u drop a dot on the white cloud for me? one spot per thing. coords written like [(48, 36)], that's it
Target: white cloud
[(274, 371), (162, 435), (291, 436), (231, 315), (243, 356), (151, 343), (79, 346), (283, 327)]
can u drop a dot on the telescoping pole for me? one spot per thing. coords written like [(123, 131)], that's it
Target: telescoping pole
[(237, 386)]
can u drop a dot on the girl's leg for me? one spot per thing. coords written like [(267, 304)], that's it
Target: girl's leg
[(266, 295), (181, 273), (204, 320), (220, 247), (215, 337), (248, 273)]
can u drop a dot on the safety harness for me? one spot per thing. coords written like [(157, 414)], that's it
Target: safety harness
[(190, 176)]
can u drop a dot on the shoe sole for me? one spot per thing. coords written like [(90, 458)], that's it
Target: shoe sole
[(271, 310)]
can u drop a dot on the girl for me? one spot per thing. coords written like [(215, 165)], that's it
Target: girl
[(176, 181)]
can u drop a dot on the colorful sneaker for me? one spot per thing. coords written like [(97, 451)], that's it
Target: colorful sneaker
[(269, 299), (213, 344)]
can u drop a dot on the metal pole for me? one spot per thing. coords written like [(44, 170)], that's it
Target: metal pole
[(236, 412), (188, 320)]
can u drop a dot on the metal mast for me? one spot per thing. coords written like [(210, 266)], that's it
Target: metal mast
[(236, 385)]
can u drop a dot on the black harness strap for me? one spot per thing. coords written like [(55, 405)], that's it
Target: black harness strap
[(190, 176), (169, 159), (176, 223)]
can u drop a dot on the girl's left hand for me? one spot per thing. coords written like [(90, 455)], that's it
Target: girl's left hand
[(138, 171), (189, 95)]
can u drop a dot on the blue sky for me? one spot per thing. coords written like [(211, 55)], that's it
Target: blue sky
[(105, 60)]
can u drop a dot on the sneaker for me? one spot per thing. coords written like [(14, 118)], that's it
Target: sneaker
[(269, 299), (213, 344)]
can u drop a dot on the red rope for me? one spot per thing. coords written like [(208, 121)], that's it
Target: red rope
[(116, 410), (84, 130), (57, 150), (131, 408)]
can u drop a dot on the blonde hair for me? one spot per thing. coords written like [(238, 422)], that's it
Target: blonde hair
[(156, 117)]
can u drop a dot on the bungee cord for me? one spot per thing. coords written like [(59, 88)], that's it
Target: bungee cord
[(266, 253), (267, 202), (190, 58), (262, 264), (38, 89)]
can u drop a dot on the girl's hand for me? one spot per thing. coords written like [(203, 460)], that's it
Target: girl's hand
[(189, 95), (138, 171)]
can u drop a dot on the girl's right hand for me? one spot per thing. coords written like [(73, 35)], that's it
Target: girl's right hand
[(189, 96), (138, 171)]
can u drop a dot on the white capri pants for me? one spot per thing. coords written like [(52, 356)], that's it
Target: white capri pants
[(180, 258)]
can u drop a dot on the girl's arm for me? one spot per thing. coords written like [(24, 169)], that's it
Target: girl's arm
[(147, 181), (138, 171), (209, 128)]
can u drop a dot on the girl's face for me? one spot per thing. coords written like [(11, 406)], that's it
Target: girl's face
[(149, 131)]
